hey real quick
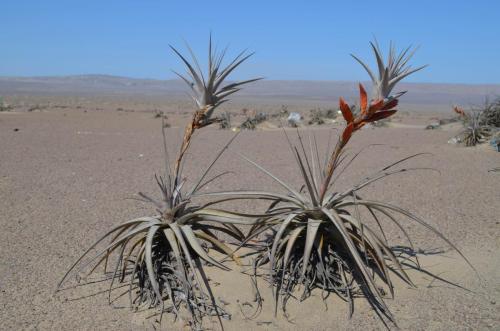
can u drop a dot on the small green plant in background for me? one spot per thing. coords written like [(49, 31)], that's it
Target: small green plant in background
[(252, 121), (225, 121), (34, 108), (481, 124), (4, 106), (318, 116), (475, 131), (283, 111), (159, 114), (281, 114), (490, 115)]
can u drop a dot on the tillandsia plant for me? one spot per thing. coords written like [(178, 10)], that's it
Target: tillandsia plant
[(389, 74), (319, 239), (475, 131), (160, 257), (316, 236), (491, 113)]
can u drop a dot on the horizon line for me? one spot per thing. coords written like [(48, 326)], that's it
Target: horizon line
[(265, 79)]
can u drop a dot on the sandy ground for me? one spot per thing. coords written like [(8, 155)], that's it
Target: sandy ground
[(66, 175)]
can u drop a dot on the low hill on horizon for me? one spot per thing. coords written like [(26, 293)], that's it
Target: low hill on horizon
[(275, 91)]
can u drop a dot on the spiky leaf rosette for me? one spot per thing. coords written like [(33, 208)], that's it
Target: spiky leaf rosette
[(318, 238), (160, 257), (475, 130), (208, 89), (390, 73)]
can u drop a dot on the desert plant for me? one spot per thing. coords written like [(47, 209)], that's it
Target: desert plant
[(318, 115), (391, 73), (4, 106), (490, 115), (35, 108), (225, 121), (159, 114), (318, 238), (160, 257), (475, 132), (283, 113), (251, 122)]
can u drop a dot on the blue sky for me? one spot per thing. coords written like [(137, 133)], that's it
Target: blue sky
[(311, 40)]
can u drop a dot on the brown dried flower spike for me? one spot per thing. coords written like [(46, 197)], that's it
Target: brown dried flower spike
[(208, 89)]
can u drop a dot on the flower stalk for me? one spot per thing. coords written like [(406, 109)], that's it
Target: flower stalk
[(375, 111)]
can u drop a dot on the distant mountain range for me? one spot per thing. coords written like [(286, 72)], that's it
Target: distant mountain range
[(265, 90)]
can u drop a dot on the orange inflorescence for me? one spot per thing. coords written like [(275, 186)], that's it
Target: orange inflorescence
[(459, 110), (363, 99), (346, 111), (375, 111)]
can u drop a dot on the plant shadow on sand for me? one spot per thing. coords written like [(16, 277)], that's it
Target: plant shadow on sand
[(249, 307)]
